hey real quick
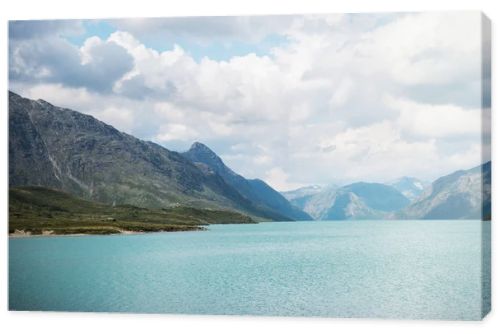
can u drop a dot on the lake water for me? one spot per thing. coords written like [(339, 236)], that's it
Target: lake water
[(390, 269)]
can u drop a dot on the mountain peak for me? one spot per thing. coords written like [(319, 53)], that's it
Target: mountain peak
[(78, 154), (197, 146), (255, 190), (43, 102), (201, 153)]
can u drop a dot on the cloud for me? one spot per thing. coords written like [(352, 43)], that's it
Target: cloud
[(175, 132), (347, 98), (435, 121), (121, 118), (40, 29), (278, 179), (96, 66), (206, 29)]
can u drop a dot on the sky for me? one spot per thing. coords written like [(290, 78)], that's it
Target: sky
[(293, 100)]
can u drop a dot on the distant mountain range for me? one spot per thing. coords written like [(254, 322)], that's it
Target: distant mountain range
[(63, 149), (460, 195), (359, 200), (66, 150)]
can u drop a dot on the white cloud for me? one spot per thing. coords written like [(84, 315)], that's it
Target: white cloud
[(278, 179), (348, 97), (435, 121), (96, 66), (171, 132), (204, 30)]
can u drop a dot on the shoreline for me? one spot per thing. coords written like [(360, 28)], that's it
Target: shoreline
[(22, 234)]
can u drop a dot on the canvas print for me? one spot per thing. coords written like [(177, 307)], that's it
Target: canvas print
[(299, 165)]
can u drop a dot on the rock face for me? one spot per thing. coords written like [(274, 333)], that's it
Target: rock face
[(256, 191), (364, 200), (318, 204), (410, 187), (66, 150), (360, 200), (464, 194), (300, 196)]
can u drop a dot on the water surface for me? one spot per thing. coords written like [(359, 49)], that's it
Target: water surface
[(395, 269)]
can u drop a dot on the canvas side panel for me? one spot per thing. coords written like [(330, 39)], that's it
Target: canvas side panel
[(486, 156)]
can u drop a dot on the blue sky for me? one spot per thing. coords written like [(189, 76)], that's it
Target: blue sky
[(216, 50), (294, 100)]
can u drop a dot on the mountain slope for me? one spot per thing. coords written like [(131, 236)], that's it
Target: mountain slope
[(301, 192), (364, 200), (410, 187), (37, 210), (299, 197), (318, 204), (63, 149), (360, 200), (256, 191), (464, 194)]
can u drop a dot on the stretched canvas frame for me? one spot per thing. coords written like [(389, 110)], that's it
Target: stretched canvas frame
[(101, 113)]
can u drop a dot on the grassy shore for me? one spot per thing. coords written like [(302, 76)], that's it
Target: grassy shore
[(42, 211)]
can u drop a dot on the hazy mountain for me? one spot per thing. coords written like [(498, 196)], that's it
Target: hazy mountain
[(318, 204), (410, 187), (364, 200), (464, 194), (301, 192), (256, 191), (354, 201), (64, 149), (299, 197)]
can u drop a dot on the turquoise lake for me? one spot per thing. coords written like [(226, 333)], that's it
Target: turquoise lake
[(389, 269)]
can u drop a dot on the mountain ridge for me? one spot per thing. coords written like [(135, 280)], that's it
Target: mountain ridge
[(463, 194), (63, 149), (77, 153), (410, 187), (255, 190)]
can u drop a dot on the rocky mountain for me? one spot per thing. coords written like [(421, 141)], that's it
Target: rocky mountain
[(301, 192), (464, 194), (63, 149), (410, 187), (318, 204), (364, 200), (66, 150), (300, 196), (360, 200), (256, 191)]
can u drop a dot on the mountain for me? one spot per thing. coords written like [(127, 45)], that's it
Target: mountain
[(360, 200), (63, 149), (317, 204), (300, 196), (464, 194), (301, 192), (410, 187), (256, 191), (364, 200)]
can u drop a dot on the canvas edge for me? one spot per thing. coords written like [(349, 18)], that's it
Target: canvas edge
[(486, 155)]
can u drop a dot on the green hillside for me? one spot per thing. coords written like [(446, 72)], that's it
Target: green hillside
[(38, 210)]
